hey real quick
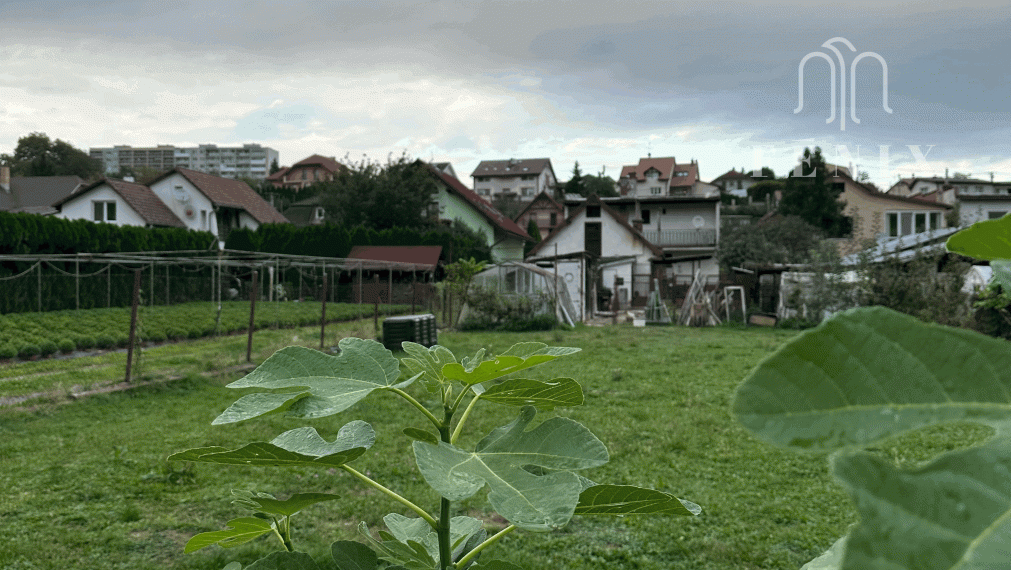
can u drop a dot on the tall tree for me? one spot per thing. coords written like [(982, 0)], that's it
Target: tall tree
[(37, 155), (274, 167), (400, 193), (811, 197), (575, 184)]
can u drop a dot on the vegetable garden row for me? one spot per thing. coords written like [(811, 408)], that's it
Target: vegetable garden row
[(27, 335)]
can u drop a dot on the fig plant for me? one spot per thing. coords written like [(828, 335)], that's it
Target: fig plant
[(529, 473)]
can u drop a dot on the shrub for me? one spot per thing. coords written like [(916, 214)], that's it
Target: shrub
[(29, 350), (104, 341), (67, 346), (7, 351), (47, 347), (85, 342), (156, 335)]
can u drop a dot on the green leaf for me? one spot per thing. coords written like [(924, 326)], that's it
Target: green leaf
[(330, 384), (300, 446), (496, 565), (990, 239), (411, 555), (954, 512), (406, 530), (350, 555), (1001, 273), (421, 435), (544, 395), (529, 501), (831, 559), (867, 374), (238, 531), (519, 357), (285, 561), (629, 500), (428, 362), (264, 503)]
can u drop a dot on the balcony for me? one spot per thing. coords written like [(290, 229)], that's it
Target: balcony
[(681, 238)]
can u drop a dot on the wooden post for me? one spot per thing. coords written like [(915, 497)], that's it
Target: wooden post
[(614, 300), (133, 323), (389, 298), (252, 315), (359, 282), (40, 286), (168, 277), (299, 284), (322, 316), (414, 287), (151, 302), (108, 291), (77, 282), (375, 299)]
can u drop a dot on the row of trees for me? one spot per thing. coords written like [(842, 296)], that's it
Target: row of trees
[(37, 155)]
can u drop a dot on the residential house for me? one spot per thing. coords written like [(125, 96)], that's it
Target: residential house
[(307, 212), (596, 248), (978, 207), (212, 203), (117, 202), (457, 202), (445, 168), (518, 178), (545, 211), (976, 199), (306, 172), (736, 183), (661, 177), (34, 194)]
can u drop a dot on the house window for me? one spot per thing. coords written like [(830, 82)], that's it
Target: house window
[(483, 191), (905, 223), (935, 220), (203, 219), (527, 191), (554, 219), (593, 211), (921, 222), (303, 174), (995, 215), (645, 216), (656, 190), (105, 211), (319, 213)]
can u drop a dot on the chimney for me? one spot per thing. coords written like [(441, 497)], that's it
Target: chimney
[(945, 175), (5, 178)]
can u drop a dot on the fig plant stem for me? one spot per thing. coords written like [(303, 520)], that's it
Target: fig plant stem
[(396, 497)]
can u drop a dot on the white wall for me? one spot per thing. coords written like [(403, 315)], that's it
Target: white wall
[(978, 211), (82, 208), (164, 188), (616, 240)]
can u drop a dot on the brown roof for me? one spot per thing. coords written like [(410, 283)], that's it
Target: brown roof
[(142, 199), (513, 167), (871, 191), (693, 174), (279, 175), (230, 194), (416, 254), (539, 199), (592, 201), (665, 166), (497, 218), (326, 162)]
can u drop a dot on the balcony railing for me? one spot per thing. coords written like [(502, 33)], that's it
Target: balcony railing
[(681, 238)]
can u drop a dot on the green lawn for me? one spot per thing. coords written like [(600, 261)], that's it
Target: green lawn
[(87, 485)]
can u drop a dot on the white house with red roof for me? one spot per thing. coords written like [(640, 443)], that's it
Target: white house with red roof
[(457, 202), (117, 202), (736, 183)]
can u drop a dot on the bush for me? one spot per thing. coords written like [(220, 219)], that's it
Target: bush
[(104, 341), (29, 350), (66, 346), (47, 347), (156, 335), (7, 351), (85, 342), (488, 310)]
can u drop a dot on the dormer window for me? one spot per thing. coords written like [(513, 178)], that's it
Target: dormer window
[(320, 213)]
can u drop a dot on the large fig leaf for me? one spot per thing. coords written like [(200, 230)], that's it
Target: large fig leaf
[(406, 530), (866, 374), (300, 446), (238, 531), (532, 502), (989, 239), (519, 357), (544, 395), (629, 500), (428, 362), (266, 503), (314, 384), (411, 554), (350, 555), (954, 512)]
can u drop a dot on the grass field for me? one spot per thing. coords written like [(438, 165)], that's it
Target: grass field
[(87, 485)]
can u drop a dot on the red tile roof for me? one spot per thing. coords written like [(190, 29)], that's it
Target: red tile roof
[(415, 254), (326, 162), (230, 194), (279, 175), (497, 218), (638, 171), (693, 174), (139, 197)]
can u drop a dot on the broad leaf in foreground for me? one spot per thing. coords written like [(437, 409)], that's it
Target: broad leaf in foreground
[(300, 446), (265, 503), (238, 531), (519, 357), (630, 500), (532, 502), (351, 555), (544, 395), (866, 374), (954, 512), (314, 384), (989, 239)]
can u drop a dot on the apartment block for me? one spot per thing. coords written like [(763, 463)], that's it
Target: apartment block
[(248, 160)]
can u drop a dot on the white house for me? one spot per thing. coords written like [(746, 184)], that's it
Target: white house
[(212, 203), (117, 202), (979, 207)]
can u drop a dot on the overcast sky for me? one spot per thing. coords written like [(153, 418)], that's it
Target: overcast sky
[(602, 83)]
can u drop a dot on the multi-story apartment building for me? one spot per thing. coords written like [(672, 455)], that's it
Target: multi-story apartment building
[(514, 178), (248, 160)]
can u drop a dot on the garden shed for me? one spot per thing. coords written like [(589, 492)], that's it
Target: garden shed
[(518, 279)]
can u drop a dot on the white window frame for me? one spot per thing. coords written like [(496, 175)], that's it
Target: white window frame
[(103, 206)]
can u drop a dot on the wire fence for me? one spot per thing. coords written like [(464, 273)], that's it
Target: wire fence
[(39, 283)]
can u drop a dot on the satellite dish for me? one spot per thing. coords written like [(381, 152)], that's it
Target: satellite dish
[(190, 211), (698, 222)]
